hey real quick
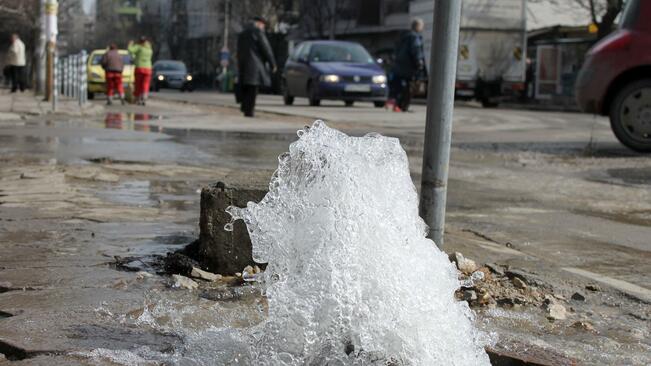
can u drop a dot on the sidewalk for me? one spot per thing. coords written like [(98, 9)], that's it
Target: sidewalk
[(17, 105)]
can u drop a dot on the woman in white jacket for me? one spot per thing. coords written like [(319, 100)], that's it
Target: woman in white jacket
[(16, 61)]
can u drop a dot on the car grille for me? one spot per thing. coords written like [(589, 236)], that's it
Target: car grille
[(351, 79)]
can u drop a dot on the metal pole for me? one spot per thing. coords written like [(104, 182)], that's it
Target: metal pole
[(82, 78), (51, 28), (66, 75), (226, 21), (440, 104), (55, 89), (75, 76), (41, 52)]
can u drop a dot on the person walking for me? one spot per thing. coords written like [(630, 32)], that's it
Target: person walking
[(16, 62), (253, 51), (409, 64), (113, 65), (141, 53)]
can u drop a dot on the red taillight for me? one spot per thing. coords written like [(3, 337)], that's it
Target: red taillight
[(460, 85), (615, 42)]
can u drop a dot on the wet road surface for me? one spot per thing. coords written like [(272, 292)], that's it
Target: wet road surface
[(527, 189)]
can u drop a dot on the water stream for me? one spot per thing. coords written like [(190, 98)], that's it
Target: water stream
[(352, 278)]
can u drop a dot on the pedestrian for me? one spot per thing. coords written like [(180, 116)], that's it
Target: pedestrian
[(141, 53), (113, 65), (408, 65), (16, 62), (253, 52)]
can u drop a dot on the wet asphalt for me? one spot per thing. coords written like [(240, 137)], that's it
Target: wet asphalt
[(549, 192)]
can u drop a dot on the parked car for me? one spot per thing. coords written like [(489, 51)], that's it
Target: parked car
[(97, 78), (615, 79), (171, 74), (334, 70)]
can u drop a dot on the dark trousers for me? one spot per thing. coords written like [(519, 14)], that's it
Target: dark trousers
[(400, 91), (248, 93), (17, 75)]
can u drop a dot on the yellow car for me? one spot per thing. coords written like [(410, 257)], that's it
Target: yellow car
[(97, 78)]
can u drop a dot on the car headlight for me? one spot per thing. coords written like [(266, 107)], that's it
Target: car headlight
[(188, 78), (379, 79), (95, 75), (330, 78), (161, 77)]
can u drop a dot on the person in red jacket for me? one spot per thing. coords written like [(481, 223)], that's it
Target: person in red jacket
[(113, 65)]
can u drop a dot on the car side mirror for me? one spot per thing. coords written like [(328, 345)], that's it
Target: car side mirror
[(303, 60)]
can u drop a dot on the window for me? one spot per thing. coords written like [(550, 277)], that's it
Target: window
[(296, 52), (97, 59), (630, 14), (305, 52), (344, 52), (171, 66)]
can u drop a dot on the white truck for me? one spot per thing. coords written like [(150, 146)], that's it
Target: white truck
[(492, 47)]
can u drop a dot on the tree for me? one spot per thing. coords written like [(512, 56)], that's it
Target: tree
[(602, 12), (319, 18)]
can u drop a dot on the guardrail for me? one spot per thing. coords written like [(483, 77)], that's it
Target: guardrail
[(70, 78)]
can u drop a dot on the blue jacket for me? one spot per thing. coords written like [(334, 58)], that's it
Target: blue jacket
[(409, 55)]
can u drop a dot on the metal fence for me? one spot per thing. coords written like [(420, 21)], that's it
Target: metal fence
[(70, 75)]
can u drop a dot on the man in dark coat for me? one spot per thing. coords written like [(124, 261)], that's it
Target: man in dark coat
[(408, 64), (253, 51)]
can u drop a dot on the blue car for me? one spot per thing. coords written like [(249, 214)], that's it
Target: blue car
[(334, 70)]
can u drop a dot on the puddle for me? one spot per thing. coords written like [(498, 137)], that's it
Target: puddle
[(132, 192), (634, 176), (133, 121)]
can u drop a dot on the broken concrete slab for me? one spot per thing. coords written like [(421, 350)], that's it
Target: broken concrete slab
[(218, 250), (201, 274), (179, 281)]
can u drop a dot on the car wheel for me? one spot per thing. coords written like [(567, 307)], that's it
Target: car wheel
[(312, 96), (379, 104), (91, 96), (630, 115), (288, 99), (349, 103)]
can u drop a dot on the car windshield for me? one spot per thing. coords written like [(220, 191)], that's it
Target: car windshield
[(630, 14), (170, 66), (352, 53), (97, 59)]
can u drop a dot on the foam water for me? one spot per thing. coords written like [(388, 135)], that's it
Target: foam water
[(352, 278)]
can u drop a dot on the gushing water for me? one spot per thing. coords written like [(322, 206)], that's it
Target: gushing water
[(352, 279)]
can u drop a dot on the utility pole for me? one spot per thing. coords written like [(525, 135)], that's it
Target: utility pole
[(41, 51), (440, 104), (226, 25), (51, 31)]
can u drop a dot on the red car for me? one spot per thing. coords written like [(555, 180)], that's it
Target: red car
[(615, 79)]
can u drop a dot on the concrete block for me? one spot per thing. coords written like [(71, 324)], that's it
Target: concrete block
[(218, 250)]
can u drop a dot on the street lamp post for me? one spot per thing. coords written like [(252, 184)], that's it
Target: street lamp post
[(51, 30), (440, 104)]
